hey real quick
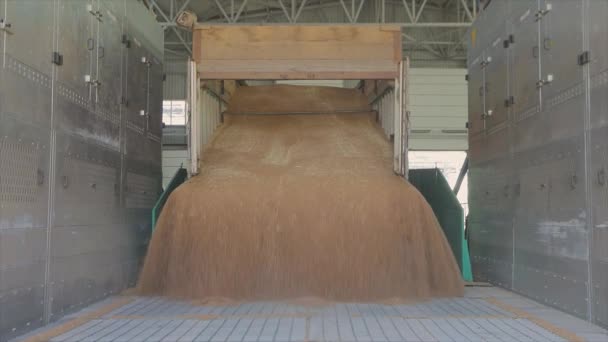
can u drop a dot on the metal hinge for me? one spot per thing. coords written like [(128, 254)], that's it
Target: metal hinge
[(541, 13), (584, 58), (509, 101), (57, 58), (4, 26), (96, 13)]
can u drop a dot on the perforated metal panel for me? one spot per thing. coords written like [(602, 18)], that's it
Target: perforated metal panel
[(24, 168), (66, 237), (20, 174), (538, 202)]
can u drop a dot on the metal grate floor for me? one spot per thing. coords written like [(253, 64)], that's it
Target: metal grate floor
[(472, 318)]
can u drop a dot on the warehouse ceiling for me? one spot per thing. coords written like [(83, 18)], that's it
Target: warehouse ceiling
[(434, 31)]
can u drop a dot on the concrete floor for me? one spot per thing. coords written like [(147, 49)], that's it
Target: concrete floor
[(484, 314)]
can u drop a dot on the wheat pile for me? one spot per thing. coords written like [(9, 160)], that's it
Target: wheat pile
[(297, 205)]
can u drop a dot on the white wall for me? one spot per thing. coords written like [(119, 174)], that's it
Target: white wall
[(172, 160), (439, 109)]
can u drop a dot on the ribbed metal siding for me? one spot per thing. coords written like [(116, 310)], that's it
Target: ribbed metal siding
[(175, 81)]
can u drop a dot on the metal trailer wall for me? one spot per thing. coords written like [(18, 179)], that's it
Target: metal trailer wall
[(210, 109), (80, 115), (204, 117), (384, 105), (538, 116)]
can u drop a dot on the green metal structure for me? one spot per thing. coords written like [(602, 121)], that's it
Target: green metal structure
[(180, 177), (434, 187)]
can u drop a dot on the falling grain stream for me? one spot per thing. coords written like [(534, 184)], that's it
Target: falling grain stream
[(296, 205)]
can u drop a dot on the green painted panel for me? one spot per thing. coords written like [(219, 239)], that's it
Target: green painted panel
[(434, 187)]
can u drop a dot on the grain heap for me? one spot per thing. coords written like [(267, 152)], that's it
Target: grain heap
[(298, 205)]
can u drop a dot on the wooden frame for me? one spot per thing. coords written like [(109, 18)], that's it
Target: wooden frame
[(297, 51)]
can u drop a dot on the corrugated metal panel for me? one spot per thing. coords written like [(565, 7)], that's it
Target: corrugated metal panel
[(439, 109), (175, 80)]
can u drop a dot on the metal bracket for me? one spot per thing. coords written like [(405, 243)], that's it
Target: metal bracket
[(90, 44), (535, 52), (573, 182), (40, 177), (584, 58), (124, 101), (510, 40), (541, 13), (65, 181), (509, 101), (57, 58), (5, 27), (126, 41)]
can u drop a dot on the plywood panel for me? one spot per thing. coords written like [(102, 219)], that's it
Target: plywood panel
[(297, 51)]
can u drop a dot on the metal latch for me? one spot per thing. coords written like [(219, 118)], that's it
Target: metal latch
[(541, 13), (96, 13), (486, 61), (4, 26), (146, 61), (542, 83), (89, 80)]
